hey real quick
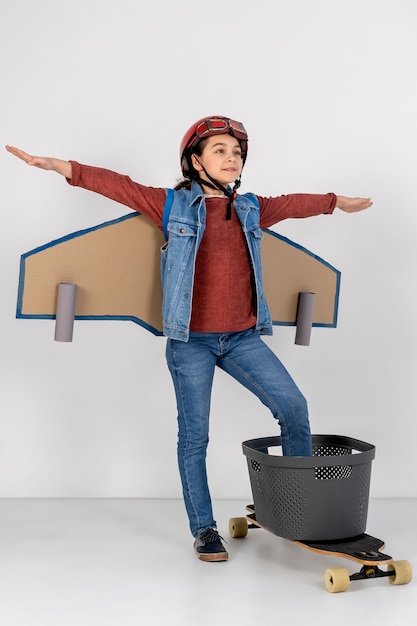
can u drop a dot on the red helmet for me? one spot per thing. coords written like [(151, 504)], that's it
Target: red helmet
[(207, 126)]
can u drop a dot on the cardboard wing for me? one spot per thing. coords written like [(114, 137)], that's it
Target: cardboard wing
[(115, 266)]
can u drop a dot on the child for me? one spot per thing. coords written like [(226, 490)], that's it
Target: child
[(214, 307)]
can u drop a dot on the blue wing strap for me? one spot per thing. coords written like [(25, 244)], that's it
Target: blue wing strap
[(167, 211)]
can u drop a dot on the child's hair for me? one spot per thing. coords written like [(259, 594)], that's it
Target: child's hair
[(186, 182)]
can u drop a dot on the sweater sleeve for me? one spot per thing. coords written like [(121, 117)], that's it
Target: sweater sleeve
[(297, 205), (147, 200)]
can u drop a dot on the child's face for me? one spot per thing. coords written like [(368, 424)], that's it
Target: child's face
[(222, 158)]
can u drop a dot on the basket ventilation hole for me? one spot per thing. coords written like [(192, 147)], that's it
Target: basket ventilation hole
[(256, 466), (333, 472)]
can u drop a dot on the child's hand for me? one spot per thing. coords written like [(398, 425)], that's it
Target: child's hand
[(353, 205), (45, 163), (42, 162)]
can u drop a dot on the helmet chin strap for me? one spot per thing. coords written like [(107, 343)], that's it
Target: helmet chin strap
[(214, 184)]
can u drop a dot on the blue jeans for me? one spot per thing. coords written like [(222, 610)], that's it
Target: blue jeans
[(249, 360)]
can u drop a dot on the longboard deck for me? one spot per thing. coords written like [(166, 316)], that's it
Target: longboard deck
[(115, 266), (364, 549)]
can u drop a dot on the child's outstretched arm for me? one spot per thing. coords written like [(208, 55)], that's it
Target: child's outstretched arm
[(45, 163), (353, 205)]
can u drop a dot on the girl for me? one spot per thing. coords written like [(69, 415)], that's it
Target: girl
[(214, 308)]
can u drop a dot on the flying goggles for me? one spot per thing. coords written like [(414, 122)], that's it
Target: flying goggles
[(217, 126)]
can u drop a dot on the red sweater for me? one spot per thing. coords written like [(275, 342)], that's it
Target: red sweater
[(223, 299)]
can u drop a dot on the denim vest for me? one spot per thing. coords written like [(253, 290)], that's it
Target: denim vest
[(186, 225)]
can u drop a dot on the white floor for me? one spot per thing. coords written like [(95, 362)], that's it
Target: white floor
[(130, 562)]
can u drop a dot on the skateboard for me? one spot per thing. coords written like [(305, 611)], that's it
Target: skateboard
[(363, 549)]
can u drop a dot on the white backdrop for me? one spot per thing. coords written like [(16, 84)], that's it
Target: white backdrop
[(327, 92)]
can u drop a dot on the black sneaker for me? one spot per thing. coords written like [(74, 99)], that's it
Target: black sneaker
[(208, 546)]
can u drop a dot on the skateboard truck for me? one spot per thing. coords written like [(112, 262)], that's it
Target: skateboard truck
[(370, 571), (338, 579)]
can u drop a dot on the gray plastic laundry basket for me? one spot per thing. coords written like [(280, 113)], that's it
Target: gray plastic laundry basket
[(323, 497)]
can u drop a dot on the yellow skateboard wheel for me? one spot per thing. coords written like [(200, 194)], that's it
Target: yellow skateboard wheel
[(402, 572), (336, 579), (238, 527)]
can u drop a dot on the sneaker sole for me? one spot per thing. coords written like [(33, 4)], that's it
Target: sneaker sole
[(221, 556)]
